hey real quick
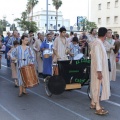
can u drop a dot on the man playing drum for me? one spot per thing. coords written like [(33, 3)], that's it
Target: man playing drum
[(47, 48)]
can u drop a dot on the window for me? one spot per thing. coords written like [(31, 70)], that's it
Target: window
[(99, 6), (108, 5), (99, 21), (45, 25), (116, 19), (51, 25), (51, 17), (55, 17), (58, 25), (108, 20), (116, 3)]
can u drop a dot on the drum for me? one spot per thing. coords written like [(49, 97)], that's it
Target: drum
[(55, 85), (78, 56), (46, 53), (29, 75)]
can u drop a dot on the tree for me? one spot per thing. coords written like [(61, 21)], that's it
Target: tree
[(24, 24), (86, 25), (30, 6), (3, 25), (90, 25), (57, 4)]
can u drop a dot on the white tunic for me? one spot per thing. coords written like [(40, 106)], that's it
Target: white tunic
[(112, 56), (99, 62)]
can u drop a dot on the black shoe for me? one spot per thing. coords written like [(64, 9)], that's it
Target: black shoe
[(25, 93), (40, 75), (20, 95)]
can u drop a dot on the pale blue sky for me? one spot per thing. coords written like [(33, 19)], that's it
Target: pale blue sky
[(70, 8)]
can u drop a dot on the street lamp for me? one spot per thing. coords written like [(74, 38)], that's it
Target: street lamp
[(88, 10)]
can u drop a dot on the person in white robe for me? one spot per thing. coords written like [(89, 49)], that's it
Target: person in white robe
[(38, 53), (99, 73), (109, 45)]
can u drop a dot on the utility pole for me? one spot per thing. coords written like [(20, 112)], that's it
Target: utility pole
[(46, 16)]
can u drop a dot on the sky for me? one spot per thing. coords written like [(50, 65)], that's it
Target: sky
[(70, 8)]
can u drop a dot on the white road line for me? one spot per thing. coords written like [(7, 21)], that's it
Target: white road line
[(5, 66), (113, 103), (75, 113), (16, 118)]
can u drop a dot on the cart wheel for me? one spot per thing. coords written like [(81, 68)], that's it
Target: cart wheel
[(88, 92), (49, 94)]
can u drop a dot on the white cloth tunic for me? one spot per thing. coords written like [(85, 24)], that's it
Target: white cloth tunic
[(38, 55), (112, 56), (99, 62)]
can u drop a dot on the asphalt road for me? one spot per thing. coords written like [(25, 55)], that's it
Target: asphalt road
[(71, 105)]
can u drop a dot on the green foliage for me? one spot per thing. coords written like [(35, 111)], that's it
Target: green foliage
[(30, 6), (57, 4), (3, 25), (87, 25), (26, 25)]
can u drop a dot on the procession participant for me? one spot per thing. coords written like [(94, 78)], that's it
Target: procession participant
[(109, 46), (83, 42), (13, 64), (31, 39), (75, 49), (24, 56), (38, 53), (117, 47), (60, 46), (13, 38), (92, 36), (69, 40), (47, 46), (6, 39), (75, 34), (99, 73)]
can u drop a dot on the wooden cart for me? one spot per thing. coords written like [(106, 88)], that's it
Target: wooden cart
[(68, 75)]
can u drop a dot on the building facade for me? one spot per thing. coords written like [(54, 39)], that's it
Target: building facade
[(106, 13), (40, 19)]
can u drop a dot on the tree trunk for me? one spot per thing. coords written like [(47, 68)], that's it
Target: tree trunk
[(32, 15), (56, 18)]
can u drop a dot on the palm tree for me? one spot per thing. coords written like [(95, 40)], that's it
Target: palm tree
[(28, 11), (30, 6), (57, 4)]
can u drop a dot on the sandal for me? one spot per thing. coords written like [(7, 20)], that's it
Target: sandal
[(94, 107), (16, 83), (101, 112), (25, 93), (20, 95)]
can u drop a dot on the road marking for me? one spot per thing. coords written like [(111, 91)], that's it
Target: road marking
[(5, 66), (113, 103), (75, 113), (16, 118)]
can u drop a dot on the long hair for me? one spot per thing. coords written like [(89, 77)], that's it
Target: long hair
[(22, 38)]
